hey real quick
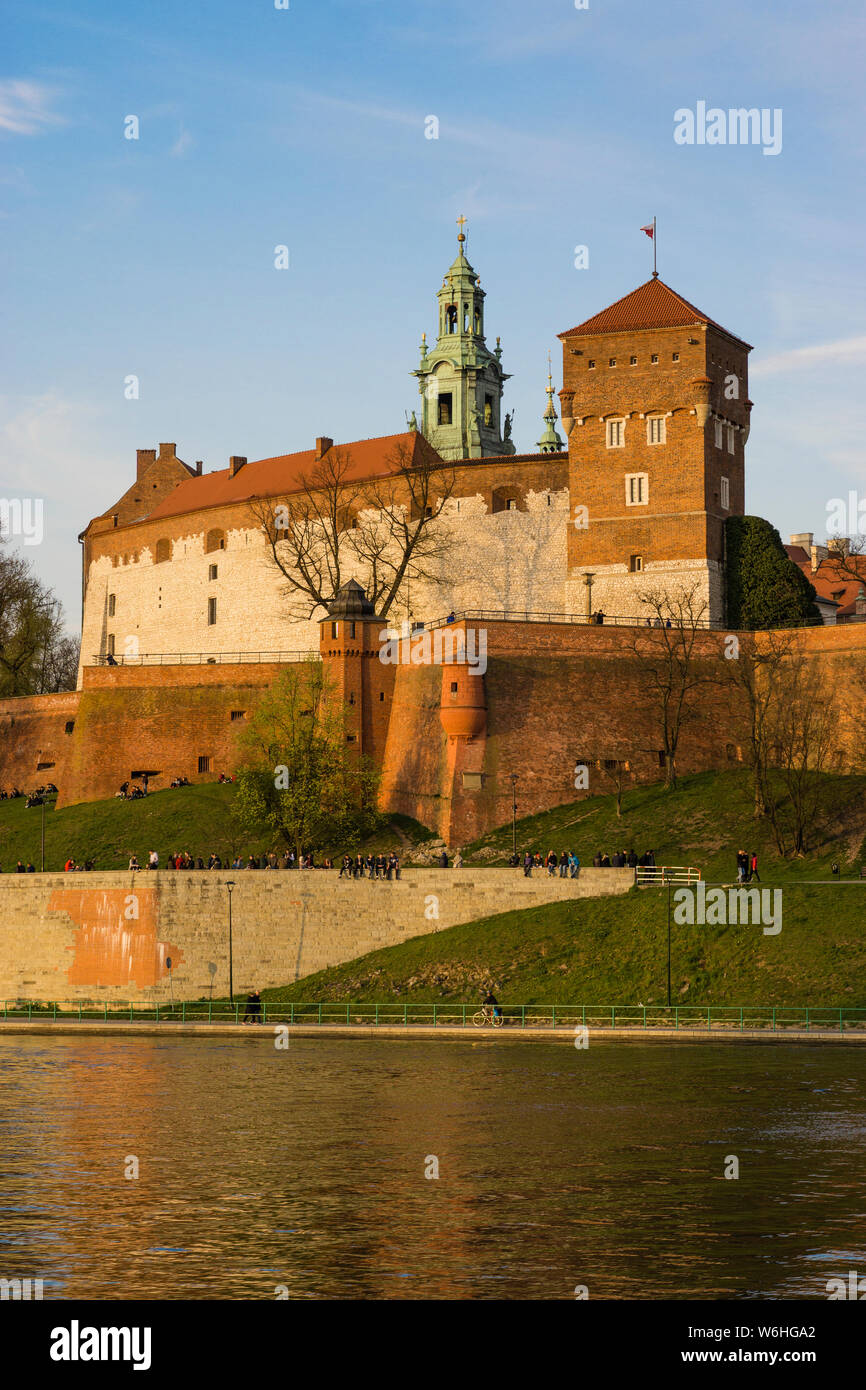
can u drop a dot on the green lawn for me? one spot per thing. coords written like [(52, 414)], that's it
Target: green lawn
[(614, 951), (704, 822), (199, 819)]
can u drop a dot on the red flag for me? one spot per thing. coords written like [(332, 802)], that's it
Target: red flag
[(650, 231)]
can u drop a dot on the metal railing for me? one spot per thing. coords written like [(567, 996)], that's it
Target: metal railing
[(721, 1018), (660, 874), (202, 658), (608, 620)]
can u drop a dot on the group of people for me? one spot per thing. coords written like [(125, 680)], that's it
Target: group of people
[(370, 866), (567, 863), (35, 798), (132, 792), (747, 867), (270, 860)]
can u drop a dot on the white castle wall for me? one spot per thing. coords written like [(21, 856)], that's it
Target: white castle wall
[(618, 593), (511, 561)]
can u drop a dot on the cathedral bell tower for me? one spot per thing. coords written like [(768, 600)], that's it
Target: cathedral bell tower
[(460, 380)]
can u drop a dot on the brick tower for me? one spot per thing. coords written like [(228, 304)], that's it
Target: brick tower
[(655, 406), (350, 646)]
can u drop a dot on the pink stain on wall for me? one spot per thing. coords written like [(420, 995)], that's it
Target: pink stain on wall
[(116, 941)]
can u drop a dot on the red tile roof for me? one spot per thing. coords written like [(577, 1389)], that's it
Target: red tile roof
[(829, 583), (652, 305), (275, 477)]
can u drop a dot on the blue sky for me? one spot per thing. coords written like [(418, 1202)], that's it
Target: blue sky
[(305, 127)]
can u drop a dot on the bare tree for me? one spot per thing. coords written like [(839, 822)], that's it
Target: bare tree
[(669, 666), (616, 770), (379, 531), (754, 667), (801, 733)]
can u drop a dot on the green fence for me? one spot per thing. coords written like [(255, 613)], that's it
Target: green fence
[(682, 1018)]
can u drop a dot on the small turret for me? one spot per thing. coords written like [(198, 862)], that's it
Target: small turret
[(550, 441)]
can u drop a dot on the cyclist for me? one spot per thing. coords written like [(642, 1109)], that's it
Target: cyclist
[(491, 1004)]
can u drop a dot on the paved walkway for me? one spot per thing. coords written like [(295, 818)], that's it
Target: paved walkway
[(565, 1034)]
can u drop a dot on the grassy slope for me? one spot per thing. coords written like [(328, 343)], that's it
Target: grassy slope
[(704, 822), (614, 951), (198, 818)]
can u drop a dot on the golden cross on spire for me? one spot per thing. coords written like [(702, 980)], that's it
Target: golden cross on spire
[(461, 223)]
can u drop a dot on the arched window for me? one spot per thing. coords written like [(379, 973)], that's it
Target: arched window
[(163, 551), (451, 318), (216, 540)]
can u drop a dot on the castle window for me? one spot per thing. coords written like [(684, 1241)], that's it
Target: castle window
[(70, 726), (655, 429), (730, 439), (112, 603), (237, 714), (511, 505), (616, 434), (636, 489), (611, 362), (216, 540), (351, 629), (211, 611), (445, 408), (351, 697), (212, 571), (451, 318), (465, 318), (110, 644), (204, 762), (488, 411), (590, 363), (718, 425), (635, 564), (428, 516), (453, 687), (654, 359), (726, 493), (335, 630), (381, 694), (163, 551), (632, 361), (477, 320), (350, 738), (675, 357)]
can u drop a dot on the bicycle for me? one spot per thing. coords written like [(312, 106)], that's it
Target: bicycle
[(488, 1015)]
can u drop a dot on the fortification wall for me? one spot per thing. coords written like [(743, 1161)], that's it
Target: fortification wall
[(107, 936), (36, 740)]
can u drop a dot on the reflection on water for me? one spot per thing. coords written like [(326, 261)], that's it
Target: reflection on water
[(305, 1168)]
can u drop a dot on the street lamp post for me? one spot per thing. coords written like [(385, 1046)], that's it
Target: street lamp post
[(669, 943), (514, 780), (230, 885)]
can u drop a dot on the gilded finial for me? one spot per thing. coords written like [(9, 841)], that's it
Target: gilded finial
[(461, 223)]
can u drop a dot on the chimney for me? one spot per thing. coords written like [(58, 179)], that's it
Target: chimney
[(236, 463), (198, 468), (323, 445), (803, 538), (143, 459), (168, 451), (819, 553)]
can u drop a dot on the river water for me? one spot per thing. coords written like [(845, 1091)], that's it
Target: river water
[(303, 1170)]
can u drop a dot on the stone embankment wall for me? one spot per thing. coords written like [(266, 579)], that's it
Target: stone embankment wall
[(109, 936)]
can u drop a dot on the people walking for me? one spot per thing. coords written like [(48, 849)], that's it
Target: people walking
[(254, 1007), (753, 868)]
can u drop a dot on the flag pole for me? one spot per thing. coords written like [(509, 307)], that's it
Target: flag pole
[(655, 251)]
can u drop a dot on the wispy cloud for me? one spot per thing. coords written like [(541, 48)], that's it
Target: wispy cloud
[(845, 350), (182, 144), (25, 107)]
